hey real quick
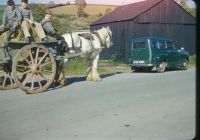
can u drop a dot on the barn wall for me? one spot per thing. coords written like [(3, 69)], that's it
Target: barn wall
[(124, 32), (166, 19)]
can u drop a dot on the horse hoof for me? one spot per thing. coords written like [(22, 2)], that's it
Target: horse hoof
[(97, 80), (94, 79), (62, 83)]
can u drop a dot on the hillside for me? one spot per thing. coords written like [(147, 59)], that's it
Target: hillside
[(65, 18), (89, 9)]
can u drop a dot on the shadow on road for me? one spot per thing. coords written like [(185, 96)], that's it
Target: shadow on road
[(150, 71), (72, 80), (75, 79)]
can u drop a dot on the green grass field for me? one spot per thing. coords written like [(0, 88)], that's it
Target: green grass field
[(89, 9)]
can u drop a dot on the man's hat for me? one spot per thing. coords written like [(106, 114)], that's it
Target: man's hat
[(25, 1), (48, 11), (10, 3)]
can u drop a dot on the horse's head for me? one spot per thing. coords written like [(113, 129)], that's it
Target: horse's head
[(108, 39)]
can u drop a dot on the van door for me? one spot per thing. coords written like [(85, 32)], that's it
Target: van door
[(174, 58), (140, 52)]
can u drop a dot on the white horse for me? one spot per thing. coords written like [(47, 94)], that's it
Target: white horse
[(89, 48)]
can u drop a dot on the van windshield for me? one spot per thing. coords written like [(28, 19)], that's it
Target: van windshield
[(139, 45), (154, 44), (158, 44)]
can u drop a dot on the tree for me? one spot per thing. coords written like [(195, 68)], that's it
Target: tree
[(81, 6), (80, 3), (107, 11), (38, 11), (183, 3), (67, 3)]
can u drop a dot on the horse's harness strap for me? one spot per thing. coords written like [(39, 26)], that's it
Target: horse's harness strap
[(81, 43), (97, 34), (72, 41)]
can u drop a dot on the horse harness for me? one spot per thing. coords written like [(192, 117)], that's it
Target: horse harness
[(73, 46), (103, 44)]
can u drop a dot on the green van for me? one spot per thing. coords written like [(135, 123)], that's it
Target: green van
[(156, 54)]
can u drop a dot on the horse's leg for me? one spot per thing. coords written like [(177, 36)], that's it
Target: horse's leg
[(93, 75), (61, 79), (89, 70)]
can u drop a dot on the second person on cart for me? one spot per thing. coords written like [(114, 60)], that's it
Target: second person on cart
[(27, 20)]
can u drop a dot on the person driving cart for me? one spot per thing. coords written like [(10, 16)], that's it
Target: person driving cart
[(11, 19), (51, 31)]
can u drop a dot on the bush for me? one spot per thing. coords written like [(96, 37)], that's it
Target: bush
[(107, 11), (192, 61), (81, 13), (99, 15), (63, 16), (117, 59), (38, 11)]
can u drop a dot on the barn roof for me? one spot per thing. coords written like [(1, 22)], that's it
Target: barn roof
[(127, 12)]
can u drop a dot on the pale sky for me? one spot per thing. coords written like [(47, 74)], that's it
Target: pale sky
[(116, 2), (190, 3)]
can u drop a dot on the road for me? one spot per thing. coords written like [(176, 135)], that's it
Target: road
[(137, 106)]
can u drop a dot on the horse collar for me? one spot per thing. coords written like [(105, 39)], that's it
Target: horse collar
[(102, 44)]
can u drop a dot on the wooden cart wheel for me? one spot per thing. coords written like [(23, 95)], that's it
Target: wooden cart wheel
[(6, 78), (34, 68)]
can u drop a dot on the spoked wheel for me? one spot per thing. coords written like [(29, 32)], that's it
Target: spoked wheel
[(161, 67), (34, 68), (6, 78)]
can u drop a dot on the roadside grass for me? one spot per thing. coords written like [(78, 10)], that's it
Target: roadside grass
[(1, 68), (192, 61), (78, 66)]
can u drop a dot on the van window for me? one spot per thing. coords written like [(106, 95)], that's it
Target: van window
[(162, 45), (139, 45), (154, 44)]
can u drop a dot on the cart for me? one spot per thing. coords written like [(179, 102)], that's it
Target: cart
[(31, 67)]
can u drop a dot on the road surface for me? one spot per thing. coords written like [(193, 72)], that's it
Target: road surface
[(137, 106)]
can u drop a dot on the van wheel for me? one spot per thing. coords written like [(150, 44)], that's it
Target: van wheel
[(161, 67), (185, 64)]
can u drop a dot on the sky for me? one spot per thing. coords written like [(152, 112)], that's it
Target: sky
[(190, 3)]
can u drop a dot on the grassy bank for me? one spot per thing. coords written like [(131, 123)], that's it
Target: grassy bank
[(192, 61), (78, 66)]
